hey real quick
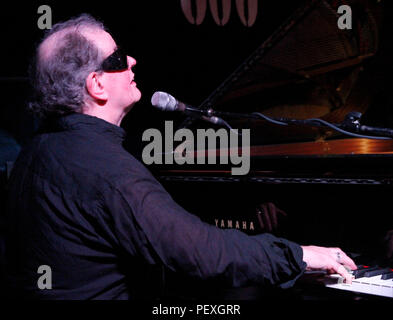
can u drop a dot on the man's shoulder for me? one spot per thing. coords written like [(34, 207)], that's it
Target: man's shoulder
[(65, 162)]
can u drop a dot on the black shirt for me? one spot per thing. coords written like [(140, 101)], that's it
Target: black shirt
[(82, 205)]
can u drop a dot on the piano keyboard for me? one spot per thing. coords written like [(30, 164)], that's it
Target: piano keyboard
[(369, 280)]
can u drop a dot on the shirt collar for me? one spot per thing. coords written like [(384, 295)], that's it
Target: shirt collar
[(79, 121)]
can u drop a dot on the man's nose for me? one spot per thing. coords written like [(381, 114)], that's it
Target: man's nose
[(131, 61)]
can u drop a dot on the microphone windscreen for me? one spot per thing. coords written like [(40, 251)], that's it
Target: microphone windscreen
[(163, 101)]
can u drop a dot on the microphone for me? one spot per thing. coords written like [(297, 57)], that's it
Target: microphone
[(165, 102)]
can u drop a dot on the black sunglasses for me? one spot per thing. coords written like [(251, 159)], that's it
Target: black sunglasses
[(117, 61)]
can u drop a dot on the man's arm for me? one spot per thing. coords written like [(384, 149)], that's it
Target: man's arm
[(148, 223)]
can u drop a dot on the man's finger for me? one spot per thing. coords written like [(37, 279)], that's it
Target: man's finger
[(259, 216), (273, 214), (266, 218), (340, 269), (347, 261), (283, 213), (342, 258)]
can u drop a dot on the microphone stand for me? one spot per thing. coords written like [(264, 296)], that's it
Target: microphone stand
[(350, 126)]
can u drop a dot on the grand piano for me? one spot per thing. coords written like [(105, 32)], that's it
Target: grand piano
[(334, 188)]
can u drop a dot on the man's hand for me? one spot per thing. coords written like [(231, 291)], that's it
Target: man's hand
[(333, 260), (268, 215)]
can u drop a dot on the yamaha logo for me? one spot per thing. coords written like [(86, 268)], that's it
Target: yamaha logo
[(195, 11), (235, 224)]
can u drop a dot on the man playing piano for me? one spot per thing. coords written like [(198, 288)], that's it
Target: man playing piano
[(82, 206)]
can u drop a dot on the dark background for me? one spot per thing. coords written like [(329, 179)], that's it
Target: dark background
[(173, 55), (185, 60)]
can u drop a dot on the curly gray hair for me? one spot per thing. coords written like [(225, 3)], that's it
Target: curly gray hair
[(58, 76)]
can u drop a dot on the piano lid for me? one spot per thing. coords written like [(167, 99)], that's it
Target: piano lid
[(309, 68)]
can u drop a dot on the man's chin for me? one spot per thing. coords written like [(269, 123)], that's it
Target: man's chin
[(135, 98)]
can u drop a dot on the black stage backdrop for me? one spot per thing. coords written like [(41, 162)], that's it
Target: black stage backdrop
[(186, 60)]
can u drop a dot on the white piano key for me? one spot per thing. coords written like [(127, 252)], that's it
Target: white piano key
[(373, 285)]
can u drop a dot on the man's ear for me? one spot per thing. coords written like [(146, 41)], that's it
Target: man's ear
[(95, 87)]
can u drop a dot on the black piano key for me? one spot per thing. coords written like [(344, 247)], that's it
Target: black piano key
[(373, 273), (359, 273), (387, 276)]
